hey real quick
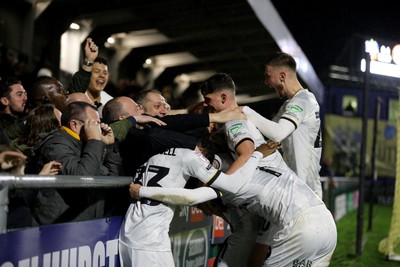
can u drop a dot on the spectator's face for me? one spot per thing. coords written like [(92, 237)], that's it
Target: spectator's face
[(15, 102), (99, 78), (155, 105), (57, 95), (130, 107), (90, 114)]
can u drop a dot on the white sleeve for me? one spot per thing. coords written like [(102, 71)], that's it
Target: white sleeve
[(234, 182), (276, 131), (229, 183), (178, 196)]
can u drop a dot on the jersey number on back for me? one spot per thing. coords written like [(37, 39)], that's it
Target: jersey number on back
[(160, 172)]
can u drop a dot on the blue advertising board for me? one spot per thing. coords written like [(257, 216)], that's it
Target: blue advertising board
[(95, 243), (90, 243)]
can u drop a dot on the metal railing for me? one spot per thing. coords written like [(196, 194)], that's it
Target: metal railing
[(8, 182)]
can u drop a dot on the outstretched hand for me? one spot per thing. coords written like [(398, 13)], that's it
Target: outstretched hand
[(268, 148), (147, 119), (227, 115)]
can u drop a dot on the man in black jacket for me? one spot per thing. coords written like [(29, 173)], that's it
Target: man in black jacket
[(13, 99)]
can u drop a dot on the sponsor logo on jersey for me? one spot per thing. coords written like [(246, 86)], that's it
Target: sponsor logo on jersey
[(235, 128), (302, 263), (294, 108), (238, 134)]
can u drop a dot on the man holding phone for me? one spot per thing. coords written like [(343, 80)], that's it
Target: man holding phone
[(84, 146)]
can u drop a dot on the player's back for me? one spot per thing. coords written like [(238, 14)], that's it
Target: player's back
[(274, 194), (147, 221)]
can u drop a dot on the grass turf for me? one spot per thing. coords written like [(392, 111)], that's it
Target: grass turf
[(344, 255)]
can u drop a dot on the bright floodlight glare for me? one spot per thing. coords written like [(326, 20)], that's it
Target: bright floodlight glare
[(74, 26), (110, 40)]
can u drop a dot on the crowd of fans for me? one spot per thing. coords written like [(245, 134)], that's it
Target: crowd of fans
[(49, 128), (83, 130)]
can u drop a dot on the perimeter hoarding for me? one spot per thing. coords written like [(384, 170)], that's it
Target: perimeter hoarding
[(90, 243), (95, 243)]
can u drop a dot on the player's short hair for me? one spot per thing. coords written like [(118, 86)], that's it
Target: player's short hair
[(217, 82), (282, 59)]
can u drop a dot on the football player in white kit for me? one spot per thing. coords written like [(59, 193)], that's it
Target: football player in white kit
[(144, 239), (242, 137), (303, 232), (297, 124)]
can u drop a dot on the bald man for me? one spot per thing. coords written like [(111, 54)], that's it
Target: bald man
[(78, 96), (121, 113)]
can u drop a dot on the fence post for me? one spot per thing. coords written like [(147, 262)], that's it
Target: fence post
[(332, 194), (3, 208), (363, 166)]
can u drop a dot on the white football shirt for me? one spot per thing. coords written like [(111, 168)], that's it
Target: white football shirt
[(146, 224), (274, 195), (302, 149), (238, 131)]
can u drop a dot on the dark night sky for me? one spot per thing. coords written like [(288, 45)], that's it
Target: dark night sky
[(321, 28)]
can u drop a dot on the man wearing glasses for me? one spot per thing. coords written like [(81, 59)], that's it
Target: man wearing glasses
[(84, 146)]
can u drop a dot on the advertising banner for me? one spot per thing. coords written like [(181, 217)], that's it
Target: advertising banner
[(95, 243), (90, 243), (390, 245), (342, 142), (186, 218), (191, 248)]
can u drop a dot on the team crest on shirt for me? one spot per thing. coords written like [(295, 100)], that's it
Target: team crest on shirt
[(294, 108), (235, 128)]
